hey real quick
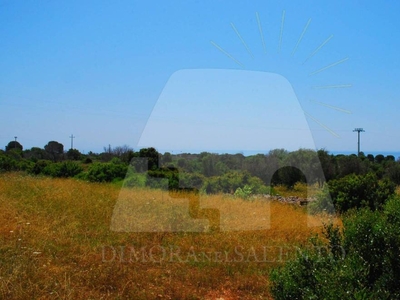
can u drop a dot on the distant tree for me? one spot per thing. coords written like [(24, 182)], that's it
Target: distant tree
[(328, 165), (281, 154), (371, 158), (125, 153), (152, 155), (379, 158), (208, 164), (106, 155), (390, 158), (393, 172), (181, 163), (256, 165), (73, 154), (54, 149), (14, 145), (233, 162), (220, 167), (35, 154), (302, 165), (166, 158), (347, 165), (308, 162)]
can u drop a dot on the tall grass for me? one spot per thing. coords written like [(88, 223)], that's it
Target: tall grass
[(56, 243)]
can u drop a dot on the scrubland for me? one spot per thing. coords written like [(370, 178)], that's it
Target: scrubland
[(57, 243)]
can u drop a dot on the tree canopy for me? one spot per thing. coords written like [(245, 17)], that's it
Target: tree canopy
[(14, 145), (55, 149)]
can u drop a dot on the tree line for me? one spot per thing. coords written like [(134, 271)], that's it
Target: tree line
[(210, 172)]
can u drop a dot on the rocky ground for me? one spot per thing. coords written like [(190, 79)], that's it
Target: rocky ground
[(290, 199)]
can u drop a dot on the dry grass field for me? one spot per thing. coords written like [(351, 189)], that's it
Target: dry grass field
[(56, 243)]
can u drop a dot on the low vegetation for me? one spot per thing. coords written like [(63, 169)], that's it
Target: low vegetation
[(361, 262), (56, 243), (145, 225)]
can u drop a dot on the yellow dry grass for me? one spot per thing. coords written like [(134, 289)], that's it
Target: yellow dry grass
[(56, 243)]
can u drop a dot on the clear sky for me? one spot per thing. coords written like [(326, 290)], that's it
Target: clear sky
[(96, 69)]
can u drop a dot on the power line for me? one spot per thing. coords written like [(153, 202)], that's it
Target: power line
[(72, 141), (358, 130)]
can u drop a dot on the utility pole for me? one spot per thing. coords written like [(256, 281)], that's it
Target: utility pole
[(15, 143), (72, 141), (358, 130)]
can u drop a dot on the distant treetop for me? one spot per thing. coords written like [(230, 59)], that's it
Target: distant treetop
[(14, 145)]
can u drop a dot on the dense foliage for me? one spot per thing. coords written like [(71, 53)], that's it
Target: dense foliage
[(362, 262), (354, 191), (215, 173)]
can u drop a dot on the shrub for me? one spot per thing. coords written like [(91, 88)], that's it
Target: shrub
[(362, 262), (39, 166), (244, 192), (393, 173), (73, 154), (231, 181), (356, 191), (87, 160), (163, 178), (7, 163), (106, 172), (25, 165), (64, 169), (191, 180)]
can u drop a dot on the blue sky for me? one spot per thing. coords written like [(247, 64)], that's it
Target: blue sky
[(96, 69)]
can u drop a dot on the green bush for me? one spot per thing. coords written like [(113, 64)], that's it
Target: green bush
[(191, 180), (244, 192), (393, 173), (163, 178), (7, 163), (231, 181), (39, 166), (362, 262), (62, 169), (87, 160), (106, 172), (356, 191), (25, 165)]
